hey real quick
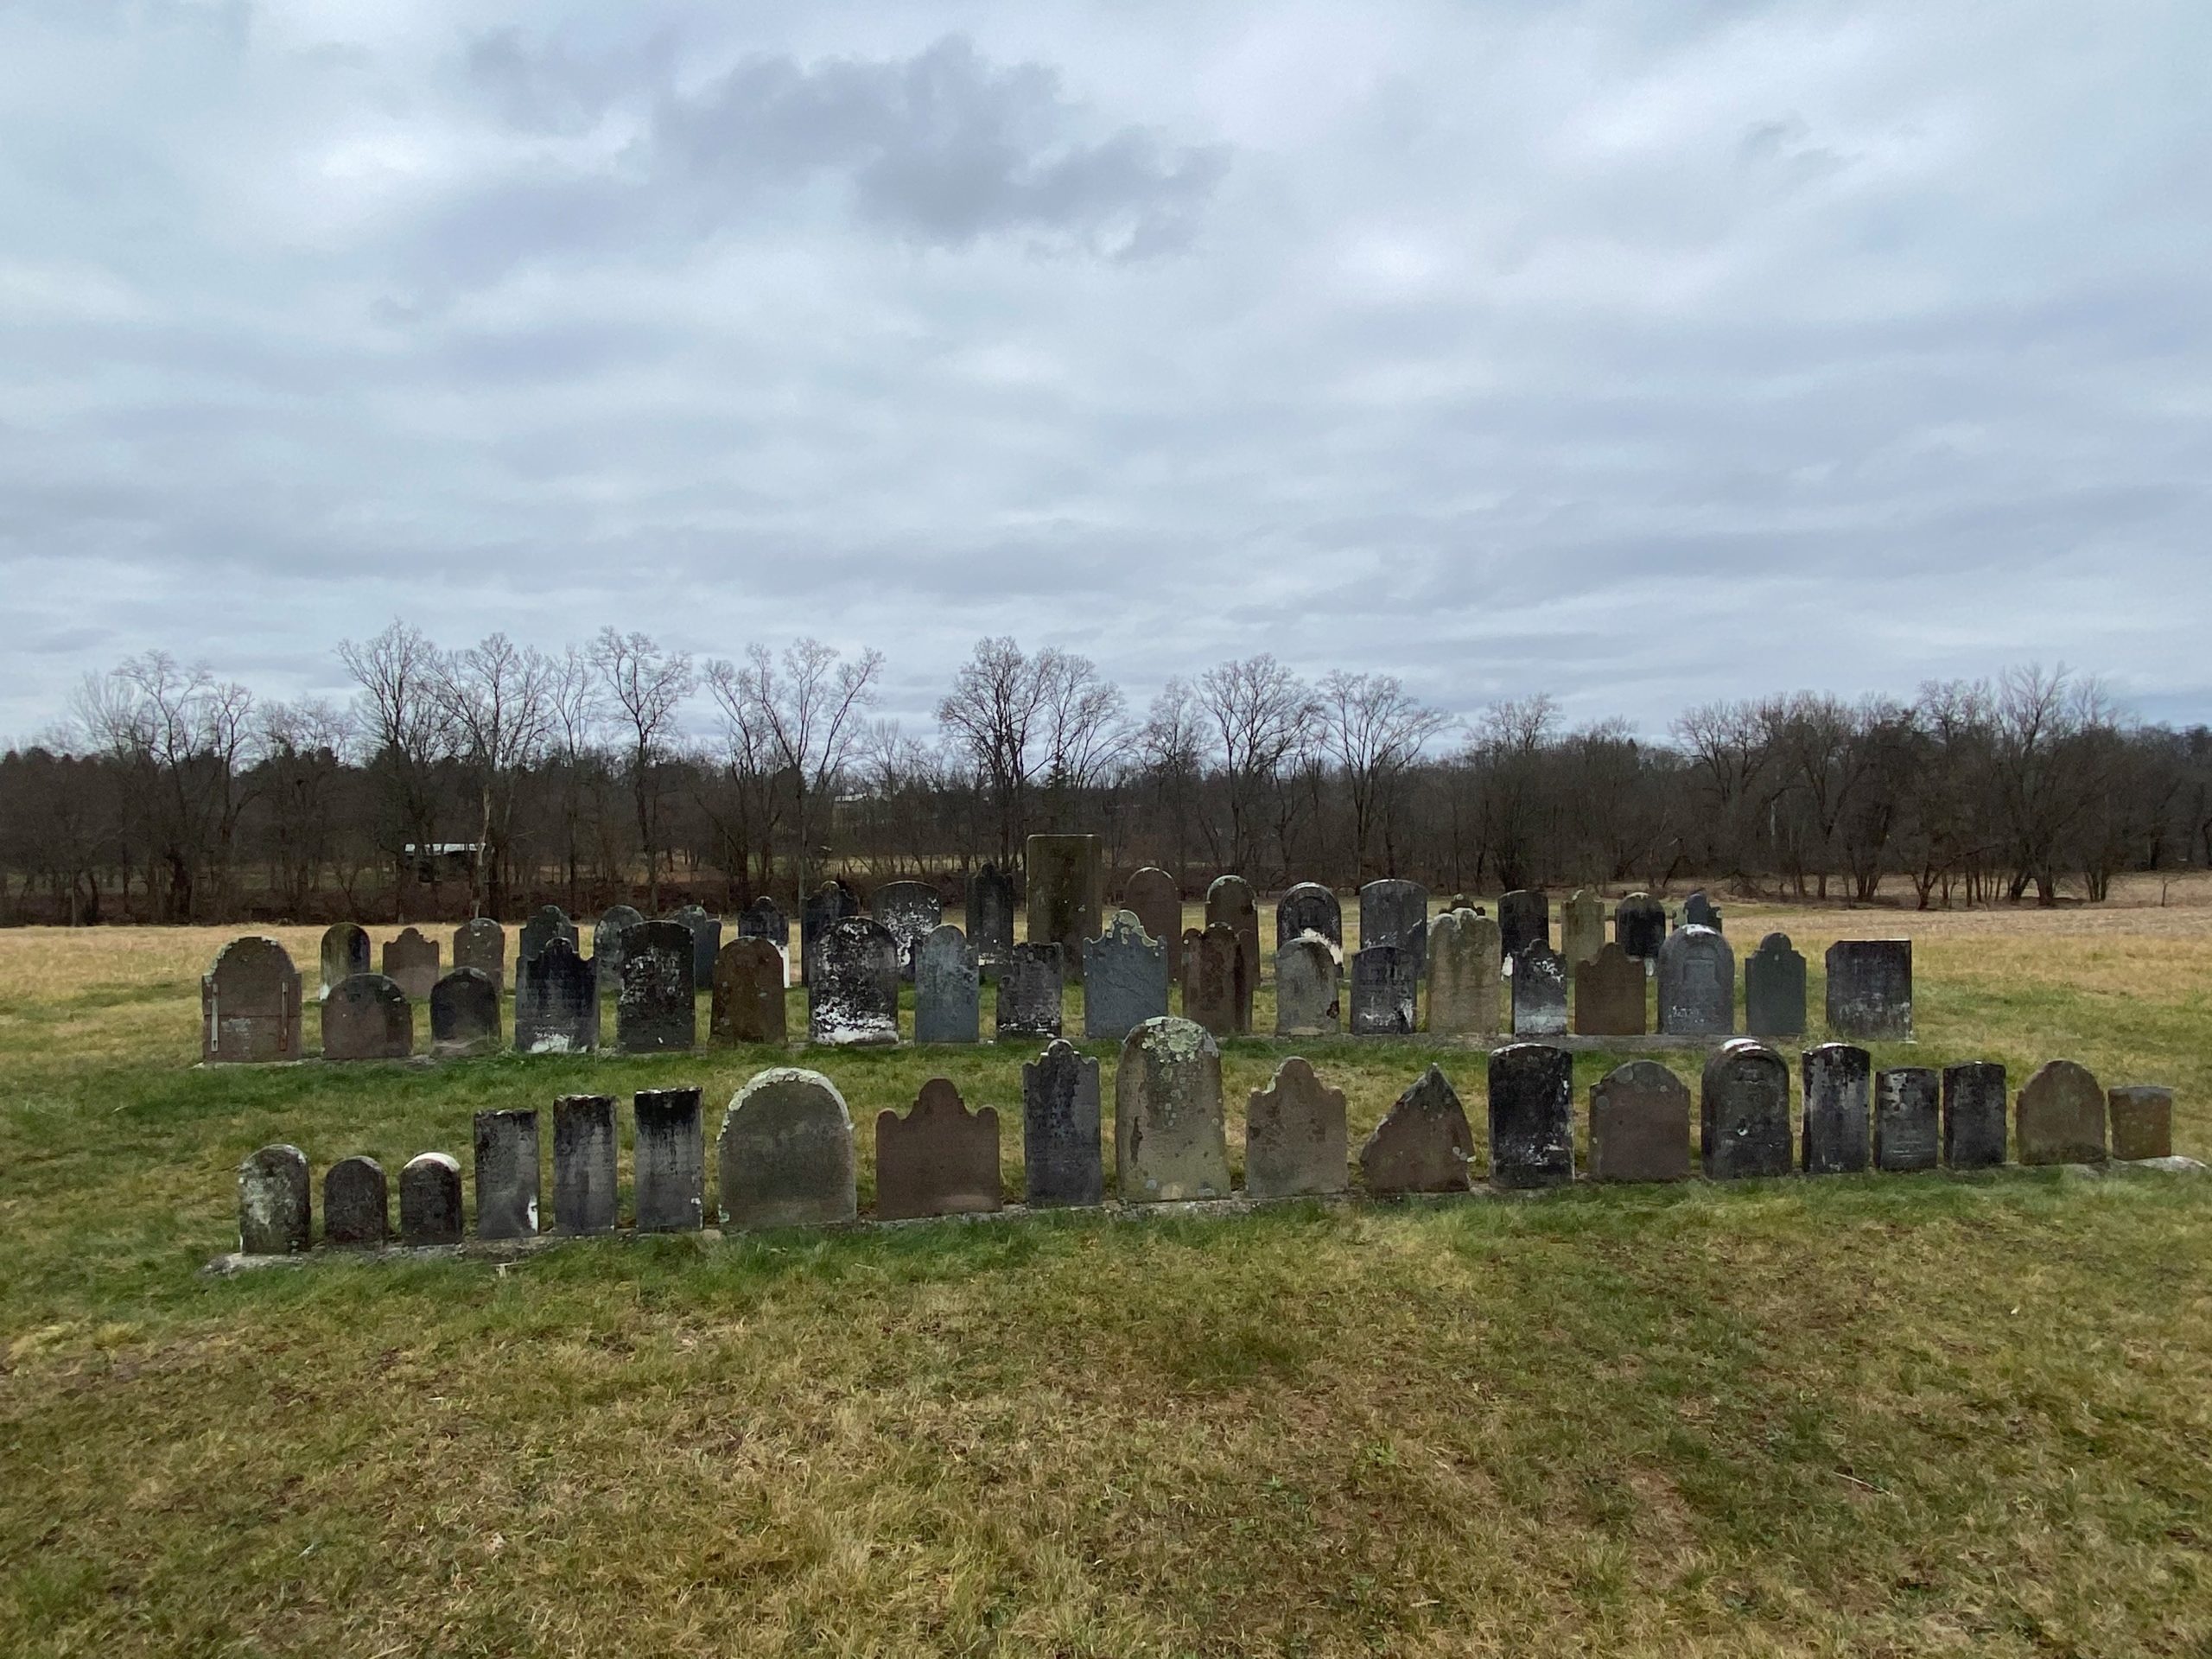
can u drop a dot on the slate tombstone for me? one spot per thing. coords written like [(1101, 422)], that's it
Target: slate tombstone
[(939, 1159), (1462, 974), (908, 910), (1524, 917), (274, 1218), (853, 996), (764, 919), (657, 1009), (546, 924), (1640, 926), (1838, 1107), (367, 1018), (344, 953), (1743, 1111), (481, 943), (606, 943), (356, 1204), (1061, 1160), (1124, 979), (1974, 1115), (1907, 1121), (1396, 912), (1306, 978), (411, 962), (671, 1158), (1640, 1123), (1064, 894), (1774, 989), (430, 1200), (583, 1164), (1230, 903), (1384, 989), (250, 1005), (749, 994), (1029, 991), (706, 931), (948, 988), (1697, 984), (1870, 990), (1309, 907), (1152, 896), (1531, 1113), (2142, 1115), (1698, 911), (786, 1152), (464, 1014), (506, 1173), (990, 915), (1539, 992), (1609, 995), (1422, 1144), (1295, 1141), (1211, 985), (1169, 1140), (2060, 1116), (556, 1001), (827, 906), (1581, 928)]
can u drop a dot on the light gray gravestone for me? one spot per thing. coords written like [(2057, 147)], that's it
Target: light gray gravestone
[(853, 997), (657, 1008), (1395, 911), (1156, 901), (274, 1218), (990, 916), (908, 910), (671, 1158), (1124, 979), (367, 1018), (1524, 917), (344, 953), (1061, 1155), (506, 1173), (465, 1015), (250, 1005), (430, 1200), (583, 1164), (948, 988), (411, 961), (786, 1152), (1169, 1139), (1907, 1119), (556, 1001), (1065, 894), (1774, 989), (606, 943), (1697, 984), (749, 1000), (1609, 995), (1838, 1084), (2060, 1117), (939, 1159), (1295, 1141), (356, 1204), (1743, 1111), (1422, 1144), (1531, 1113), (1870, 990), (481, 943), (1309, 907), (1307, 982), (1462, 974), (1383, 991), (1539, 992), (1581, 928), (1640, 1124), (1974, 1115)]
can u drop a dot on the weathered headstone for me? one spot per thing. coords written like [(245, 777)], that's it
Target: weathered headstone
[(1539, 992), (250, 1005), (1609, 995), (1640, 926), (1838, 1105), (1581, 928), (1524, 917), (1870, 990), (1169, 1139), (1774, 989), (1124, 979), (1462, 974), (506, 1173), (1698, 911), (556, 1001), (1697, 984), (2142, 1116), (1153, 898), (1384, 988), (764, 919), (1396, 912), (706, 931), (1907, 1133), (344, 953), (465, 1015), (670, 1157), (852, 995), (749, 1000), (1307, 980), (990, 916), (1974, 1115), (1232, 903), (1029, 992), (1422, 1144), (273, 1203), (411, 962), (1211, 984), (1309, 907), (1061, 1158), (430, 1200), (546, 924), (583, 1164), (1639, 1123), (1064, 894), (367, 1018), (786, 1152), (908, 910), (939, 1159), (827, 906), (2060, 1117), (948, 988), (1531, 1112), (1295, 1140), (356, 1204), (481, 943), (1743, 1111), (606, 943), (657, 1008)]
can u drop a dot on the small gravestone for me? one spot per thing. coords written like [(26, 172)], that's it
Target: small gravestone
[(1152, 896), (1743, 1111), (671, 1158), (706, 931), (990, 916), (656, 1009), (948, 988), (1539, 992), (1640, 926), (430, 1200), (606, 943), (583, 1164), (786, 1152), (908, 910), (2142, 1116), (1124, 979), (1524, 917), (367, 1018), (1837, 1085), (481, 943), (411, 962), (1309, 907), (1169, 1139), (1462, 974), (1422, 1144), (1974, 1115), (1774, 989), (939, 1159), (556, 1001), (1064, 894), (853, 995), (273, 1203), (506, 1173), (1609, 995), (764, 919), (1231, 904), (1697, 984), (2060, 1118), (1870, 990), (749, 1000), (1396, 912), (1384, 988), (1907, 1121), (1295, 1140), (1029, 992), (1698, 911), (465, 1015), (1640, 1124), (250, 1005), (1531, 1113), (1581, 928), (344, 953), (1061, 1160), (827, 906), (1211, 983), (356, 1204), (546, 924), (1307, 988)]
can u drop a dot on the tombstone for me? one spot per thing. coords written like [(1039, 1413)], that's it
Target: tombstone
[(606, 943), (1153, 898), (1870, 990), (1639, 1123), (273, 1203), (1295, 1141), (1698, 911), (786, 1151), (1581, 928), (948, 988), (1306, 979), (657, 1009), (1309, 907), (1640, 926), (367, 1018), (827, 906), (546, 924), (1383, 987), (1029, 998), (465, 1015), (1524, 917), (1539, 992), (430, 1200), (344, 953), (990, 916), (1211, 982), (2060, 1116), (706, 931), (1837, 1108), (908, 910), (1169, 1139), (1462, 974), (2142, 1116), (1697, 984), (506, 1173), (583, 1164), (749, 999), (1422, 1144), (1064, 894), (1124, 979), (1609, 995), (1907, 1121), (556, 1001), (1061, 1159), (852, 998), (411, 961), (250, 1005), (1974, 1115), (764, 919), (1230, 901), (1531, 1113), (356, 1204), (1774, 989), (482, 945), (1392, 912), (670, 1156), (939, 1159), (1744, 1110)]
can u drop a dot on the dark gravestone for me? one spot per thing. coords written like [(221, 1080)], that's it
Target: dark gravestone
[(1974, 1115), (1837, 1085), (1531, 1114), (1774, 989), (1124, 979), (1539, 992), (2142, 1116), (482, 945), (853, 997), (1231, 902), (583, 1164), (1609, 995), (556, 1001), (1395, 911), (749, 1000), (1640, 926), (1462, 974), (1062, 1161), (1907, 1121), (939, 1159), (658, 1007), (1640, 1124), (1309, 907), (367, 1018), (250, 1005), (1524, 917), (356, 1204), (411, 962), (1029, 992), (430, 1200), (1697, 984), (1422, 1144), (948, 988), (1295, 1140), (606, 943), (1064, 894), (706, 941), (1211, 981), (764, 919), (1870, 990), (1152, 896), (465, 1015), (273, 1203), (506, 1173), (1307, 988), (1383, 991), (2060, 1118), (1170, 1141), (1581, 928), (671, 1156), (1698, 911), (990, 916), (909, 911), (546, 924), (786, 1152), (1744, 1112), (344, 953), (827, 906)]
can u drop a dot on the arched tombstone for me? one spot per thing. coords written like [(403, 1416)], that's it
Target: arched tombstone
[(344, 953), (556, 1001), (465, 1015), (1064, 878), (1213, 988), (786, 1152), (853, 997), (1870, 990), (1531, 1113), (1774, 989), (1539, 992), (250, 1005), (1029, 991), (546, 924), (1697, 984), (1307, 997), (1698, 911), (1609, 995), (706, 931), (827, 906), (1309, 907), (411, 961), (2060, 1116), (356, 1204), (1422, 1144), (1395, 911), (1524, 917), (1581, 928), (506, 1173), (656, 1009), (606, 943), (274, 1218), (1124, 979), (748, 998), (1974, 1115), (1743, 1111), (764, 919), (1169, 1139), (430, 1200), (1462, 976), (367, 1017), (1837, 1083), (1156, 901), (1640, 1123), (1907, 1119), (1384, 987), (1640, 927), (1231, 904), (948, 988), (481, 943), (939, 1159), (1061, 1159), (990, 916), (1295, 1141), (908, 910)]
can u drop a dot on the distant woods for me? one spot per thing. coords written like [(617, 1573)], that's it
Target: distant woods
[(493, 777)]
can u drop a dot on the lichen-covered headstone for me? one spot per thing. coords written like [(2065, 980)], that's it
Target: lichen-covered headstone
[(1974, 1115), (1524, 917), (853, 997), (583, 1164), (1029, 997), (1152, 896), (464, 1014), (939, 1159), (948, 988), (1065, 894), (827, 906), (1309, 907), (1169, 1139), (250, 1005), (1307, 988), (606, 943), (1774, 989), (273, 1203), (1838, 1106), (1697, 984), (657, 1010), (909, 911), (749, 1000), (1743, 1111), (764, 919), (1609, 995), (1061, 1156), (411, 961), (481, 943), (1870, 990), (1211, 983), (1640, 926), (1232, 903), (1422, 1144), (1539, 992), (1462, 974), (2060, 1117), (1698, 911), (546, 924), (356, 1204), (1907, 1133), (1124, 979), (786, 1152), (1396, 912), (344, 953), (1531, 1113), (367, 1017), (556, 1001), (1295, 1140), (1384, 988), (1581, 928), (2142, 1115), (430, 1200), (506, 1173), (671, 1158), (990, 916), (1640, 1123)]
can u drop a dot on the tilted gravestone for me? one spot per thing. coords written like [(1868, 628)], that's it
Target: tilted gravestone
[(1774, 989), (356, 1204), (1870, 990), (948, 988), (1539, 992), (430, 1200), (606, 943), (670, 1159), (1640, 1124), (250, 1005), (411, 962), (786, 1152), (1029, 999), (546, 924), (658, 1007), (481, 943), (583, 1164), (1838, 1106), (1169, 1139), (506, 1173), (2142, 1115), (764, 919), (908, 910), (1698, 911), (990, 916), (1581, 928), (1396, 912), (1609, 995), (1231, 904), (1211, 984), (1384, 985), (1295, 1141), (367, 1017), (1697, 984), (344, 953), (465, 1015), (1306, 978), (1744, 1112), (1524, 917), (1064, 894), (706, 931), (1309, 907), (1462, 974), (1152, 896), (1061, 1158), (273, 1203), (1640, 926), (1531, 1114), (1974, 1115), (748, 998), (853, 995), (1124, 979), (827, 906), (939, 1159), (1907, 1121), (556, 1001), (2060, 1118), (1422, 1144)]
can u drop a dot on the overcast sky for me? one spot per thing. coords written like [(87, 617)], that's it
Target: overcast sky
[(1638, 353)]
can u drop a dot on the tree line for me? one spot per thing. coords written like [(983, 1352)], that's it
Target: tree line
[(490, 778)]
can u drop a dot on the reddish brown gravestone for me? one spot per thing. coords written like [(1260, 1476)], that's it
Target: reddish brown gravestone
[(939, 1159)]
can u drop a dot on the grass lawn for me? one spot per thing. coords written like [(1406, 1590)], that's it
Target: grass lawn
[(1887, 1415)]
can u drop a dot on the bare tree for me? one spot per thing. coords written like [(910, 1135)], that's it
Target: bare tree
[(810, 704), (401, 722), (1375, 731), (1260, 713), (1171, 755), (992, 715), (499, 700), (646, 686), (303, 746), (1086, 727)]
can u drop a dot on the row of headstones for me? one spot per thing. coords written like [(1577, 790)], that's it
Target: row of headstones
[(786, 1157)]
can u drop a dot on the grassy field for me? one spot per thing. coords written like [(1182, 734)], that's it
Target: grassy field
[(1892, 1415)]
